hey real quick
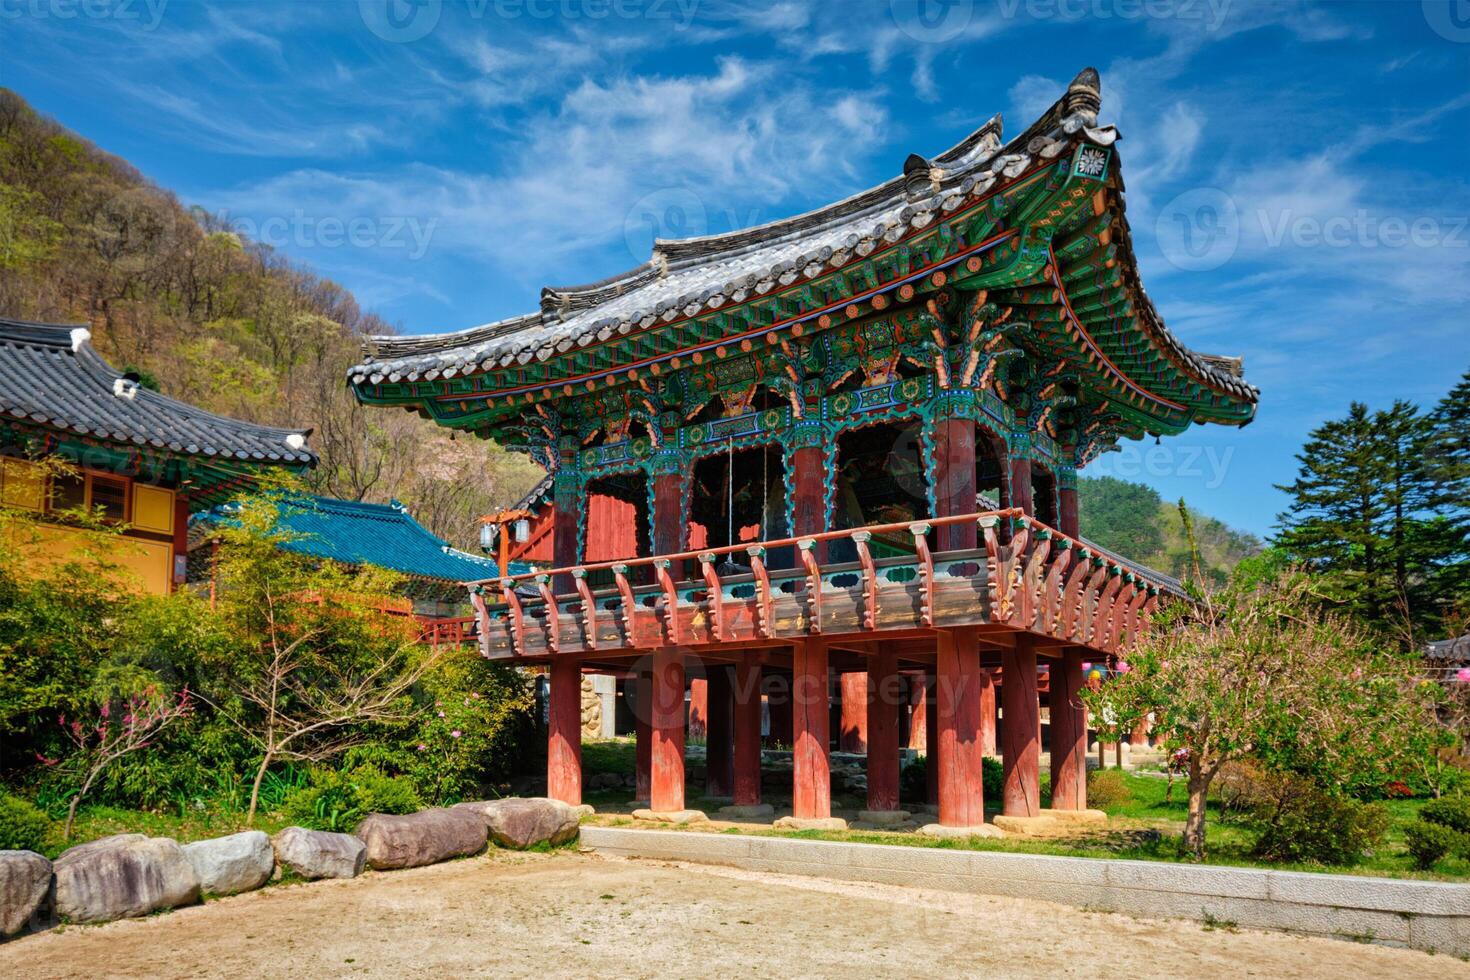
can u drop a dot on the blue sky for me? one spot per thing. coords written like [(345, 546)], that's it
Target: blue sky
[(1298, 174)]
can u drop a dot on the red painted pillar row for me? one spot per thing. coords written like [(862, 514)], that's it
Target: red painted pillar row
[(811, 790), (666, 790), (1021, 751), (957, 689), (853, 734), (1068, 733), (719, 734), (564, 732), (884, 690), (747, 724)]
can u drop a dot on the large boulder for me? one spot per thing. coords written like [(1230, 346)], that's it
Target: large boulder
[(319, 854), (523, 823), (237, 863), (25, 881), (123, 876), (414, 839)]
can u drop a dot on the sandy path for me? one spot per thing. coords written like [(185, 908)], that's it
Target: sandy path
[(581, 915)]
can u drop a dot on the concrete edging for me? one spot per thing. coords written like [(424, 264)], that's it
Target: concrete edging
[(1427, 915)]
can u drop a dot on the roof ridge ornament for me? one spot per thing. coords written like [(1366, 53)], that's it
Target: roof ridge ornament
[(1084, 95), (920, 177), (79, 336)]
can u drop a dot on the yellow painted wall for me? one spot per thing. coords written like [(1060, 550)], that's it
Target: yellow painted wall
[(147, 564)]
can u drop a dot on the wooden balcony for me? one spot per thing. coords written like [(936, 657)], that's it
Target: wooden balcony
[(1059, 589)]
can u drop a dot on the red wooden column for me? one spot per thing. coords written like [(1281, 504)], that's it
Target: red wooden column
[(957, 709), (987, 713), (698, 707), (954, 481), (1021, 484), (852, 736), (566, 502), (747, 724), (1067, 517), (667, 519), (719, 734), (1022, 746), (931, 739), (918, 713), (666, 792), (564, 732), (643, 733), (884, 701), (778, 701), (808, 497), (811, 789), (1068, 733)]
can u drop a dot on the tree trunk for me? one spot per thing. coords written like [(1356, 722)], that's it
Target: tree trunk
[(265, 762), (1193, 842), (71, 810)]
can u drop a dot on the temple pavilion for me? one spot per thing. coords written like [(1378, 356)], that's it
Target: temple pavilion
[(137, 458), (844, 443)]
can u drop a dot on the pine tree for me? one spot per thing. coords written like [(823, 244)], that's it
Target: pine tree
[(1448, 458), (1368, 512)]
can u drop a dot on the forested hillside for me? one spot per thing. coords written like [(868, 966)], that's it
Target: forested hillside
[(220, 321), (1134, 521)]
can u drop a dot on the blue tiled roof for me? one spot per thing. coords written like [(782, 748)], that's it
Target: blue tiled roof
[(375, 534)]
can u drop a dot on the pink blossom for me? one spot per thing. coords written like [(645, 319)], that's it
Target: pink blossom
[(1086, 666), (455, 734), (1463, 675), (1123, 667), (105, 712), (441, 714), (423, 747)]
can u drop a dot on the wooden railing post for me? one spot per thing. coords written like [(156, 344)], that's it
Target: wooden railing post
[(870, 580), (813, 584)]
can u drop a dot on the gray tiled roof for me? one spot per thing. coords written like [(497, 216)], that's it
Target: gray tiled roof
[(1456, 650), (687, 276), (50, 377)]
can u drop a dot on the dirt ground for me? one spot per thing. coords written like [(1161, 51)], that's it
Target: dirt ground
[(582, 915)]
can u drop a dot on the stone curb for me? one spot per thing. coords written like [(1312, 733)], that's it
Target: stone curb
[(1427, 915)]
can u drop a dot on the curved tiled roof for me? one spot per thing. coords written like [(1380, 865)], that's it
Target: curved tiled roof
[(355, 533), (688, 277), (52, 378)]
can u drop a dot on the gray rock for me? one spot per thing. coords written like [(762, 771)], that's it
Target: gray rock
[(228, 865), (415, 839), (25, 881), (523, 823), (123, 876), (319, 854)]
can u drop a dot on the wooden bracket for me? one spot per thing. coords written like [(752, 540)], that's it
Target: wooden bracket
[(716, 596), (925, 560), (764, 611), (553, 617), (517, 617), (870, 580), (589, 607), (671, 600), (625, 591), (807, 547)]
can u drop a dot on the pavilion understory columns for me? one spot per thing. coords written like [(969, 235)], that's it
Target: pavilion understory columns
[(1020, 729), (643, 733), (1068, 733), (719, 733), (957, 708), (884, 690), (746, 711), (564, 731), (852, 732), (666, 789), (811, 789)]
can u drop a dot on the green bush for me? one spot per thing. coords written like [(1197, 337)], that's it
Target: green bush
[(1107, 788), (23, 827), (913, 782), (1428, 842), (339, 800), (993, 779), (1304, 824), (1450, 811)]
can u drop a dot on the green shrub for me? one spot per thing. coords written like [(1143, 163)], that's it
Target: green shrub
[(339, 800), (1107, 788), (1304, 824), (913, 782), (1428, 842), (23, 826), (1450, 811), (992, 779)]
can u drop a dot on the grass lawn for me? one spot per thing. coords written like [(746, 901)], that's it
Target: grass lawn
[(103, 821)]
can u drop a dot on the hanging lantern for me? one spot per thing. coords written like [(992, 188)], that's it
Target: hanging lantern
[(522, 531), (487, 536)]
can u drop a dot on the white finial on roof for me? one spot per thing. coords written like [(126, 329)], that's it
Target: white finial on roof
[(125, 388), (296, 440), (79, 336)]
